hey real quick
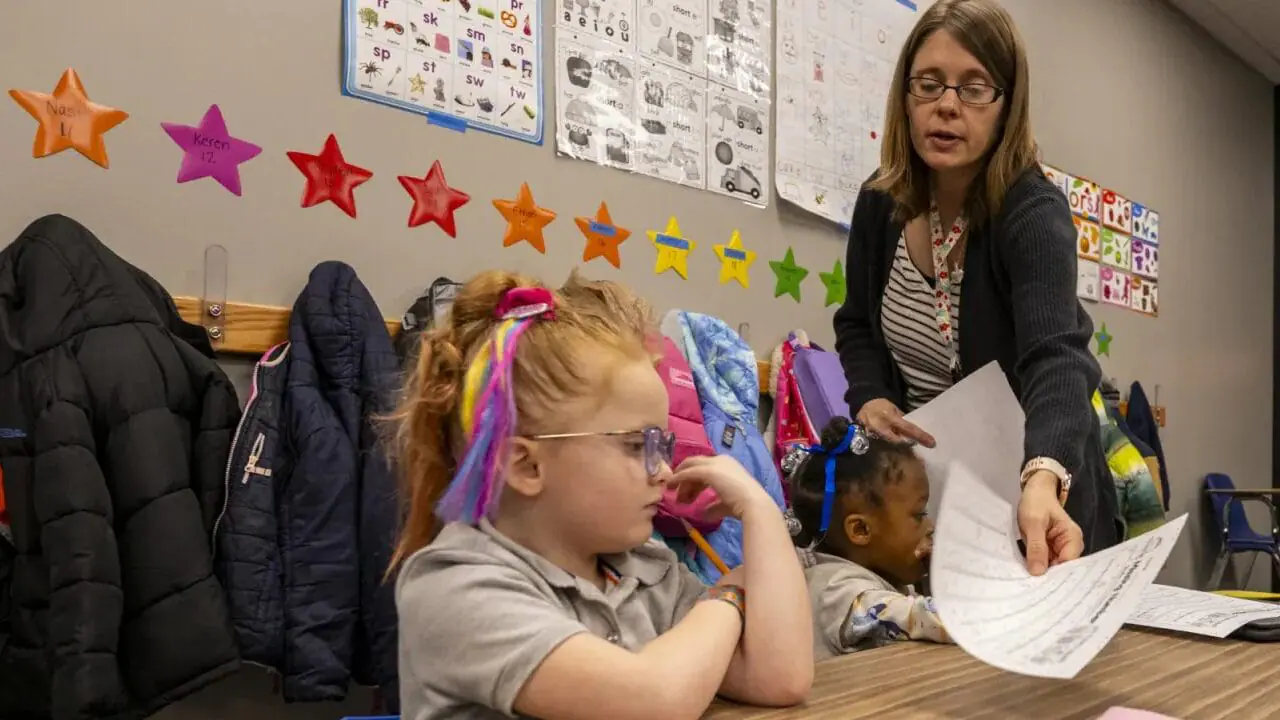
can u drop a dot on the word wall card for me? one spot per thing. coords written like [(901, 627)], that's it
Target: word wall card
[(1117, 244), (462, 63), (678, 90)]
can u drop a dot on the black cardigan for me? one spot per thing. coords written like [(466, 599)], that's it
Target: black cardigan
[(1020, 310)]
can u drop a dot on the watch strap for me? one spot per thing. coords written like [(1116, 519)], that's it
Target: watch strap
[(1035, 465), (735, 595)]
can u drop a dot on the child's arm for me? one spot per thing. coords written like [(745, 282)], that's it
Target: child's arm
[(489, 635), (858, 612), (774, 663)]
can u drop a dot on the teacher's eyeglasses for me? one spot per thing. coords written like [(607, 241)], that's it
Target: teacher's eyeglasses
[(969, 93), (659, 444)]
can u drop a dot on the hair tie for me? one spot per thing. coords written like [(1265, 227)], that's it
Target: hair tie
[(526, 302), (854, 441)]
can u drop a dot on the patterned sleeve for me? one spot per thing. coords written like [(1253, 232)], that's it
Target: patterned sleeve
[(859, 613)]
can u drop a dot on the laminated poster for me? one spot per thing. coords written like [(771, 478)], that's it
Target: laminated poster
[(678, 90), (834, 67), (464, 63)]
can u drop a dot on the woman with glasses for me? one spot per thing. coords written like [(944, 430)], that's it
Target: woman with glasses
[(959, 222)]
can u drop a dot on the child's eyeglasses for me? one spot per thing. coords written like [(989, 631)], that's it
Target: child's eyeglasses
[(659, 444)]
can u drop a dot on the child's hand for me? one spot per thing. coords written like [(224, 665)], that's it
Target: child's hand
[(738, 491)]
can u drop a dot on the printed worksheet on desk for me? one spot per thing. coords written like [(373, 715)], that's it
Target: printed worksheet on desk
[(1196, 612), (464, 63), (1047, 626)]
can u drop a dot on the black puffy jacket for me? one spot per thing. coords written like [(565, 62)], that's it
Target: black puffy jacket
[(310, 521), (113, 437)]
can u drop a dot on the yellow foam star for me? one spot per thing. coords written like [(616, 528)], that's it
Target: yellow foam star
[(673, 249), (735, 261)]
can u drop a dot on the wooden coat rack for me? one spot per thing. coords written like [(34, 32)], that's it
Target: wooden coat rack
[(246, 329)]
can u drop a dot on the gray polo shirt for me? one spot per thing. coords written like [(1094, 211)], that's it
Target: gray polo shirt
[(479, 613)]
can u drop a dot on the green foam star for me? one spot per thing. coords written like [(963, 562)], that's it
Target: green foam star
[(789, 275), (835, 284), (1104, 341)]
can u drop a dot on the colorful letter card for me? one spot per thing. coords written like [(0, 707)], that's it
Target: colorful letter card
[(1117, 212), (1146, 224), (1085, 198), (1059, 179), (1115, 249), (1115, 286), (1142, 295), (1146, 259), (1087, 280), (1088, 237)]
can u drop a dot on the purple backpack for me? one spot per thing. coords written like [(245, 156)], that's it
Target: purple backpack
[(822, 384)]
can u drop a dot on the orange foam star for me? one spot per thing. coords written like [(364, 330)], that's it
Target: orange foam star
[(603, 237), (69, 120), (525, 220)]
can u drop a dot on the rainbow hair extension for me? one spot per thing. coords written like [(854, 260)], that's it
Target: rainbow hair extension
[(488, 408)]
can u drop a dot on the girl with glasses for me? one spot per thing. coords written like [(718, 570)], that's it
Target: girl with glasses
[(534, 450)]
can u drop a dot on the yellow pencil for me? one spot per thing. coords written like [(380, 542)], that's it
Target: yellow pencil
[(705, 547)]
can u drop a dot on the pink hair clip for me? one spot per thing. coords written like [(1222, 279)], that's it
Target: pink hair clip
[(521, 303)]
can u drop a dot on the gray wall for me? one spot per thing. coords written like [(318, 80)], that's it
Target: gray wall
[(1126, 92)]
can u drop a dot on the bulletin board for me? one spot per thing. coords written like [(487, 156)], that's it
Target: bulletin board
[(322, 175)]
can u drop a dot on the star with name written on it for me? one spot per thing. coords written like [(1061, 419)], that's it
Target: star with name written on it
[(433, 199), (1104, 340), (603, 237), (330, 177), (69, 120), (673, 249), (735, 261), (834, 281), (789, 276), (210, 151), (525, 220)]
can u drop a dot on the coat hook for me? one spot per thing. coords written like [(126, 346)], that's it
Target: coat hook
[(214, 296), (744, 330)]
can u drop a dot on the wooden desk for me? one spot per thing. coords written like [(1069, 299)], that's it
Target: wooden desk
[(1178, 675)]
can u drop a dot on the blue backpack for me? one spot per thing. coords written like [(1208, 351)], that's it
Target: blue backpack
[(728, 382)]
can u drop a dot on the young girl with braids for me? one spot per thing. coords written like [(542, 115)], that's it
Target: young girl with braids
[(533, 443), (858, 516)]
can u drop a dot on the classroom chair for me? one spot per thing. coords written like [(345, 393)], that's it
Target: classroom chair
[(1237, 535)]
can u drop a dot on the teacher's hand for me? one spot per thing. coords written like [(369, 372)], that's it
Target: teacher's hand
[(1051, 536), (884, 419)]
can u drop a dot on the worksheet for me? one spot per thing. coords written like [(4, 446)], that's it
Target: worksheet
[(978, 423), (595, 105), (1047, 626), (834, 67), (467, 63), (1196, 612)]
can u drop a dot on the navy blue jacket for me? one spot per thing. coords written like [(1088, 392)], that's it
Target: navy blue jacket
[(1142, 422), (311, 513)]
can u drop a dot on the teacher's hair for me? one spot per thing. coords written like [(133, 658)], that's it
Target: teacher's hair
[(985, 29)]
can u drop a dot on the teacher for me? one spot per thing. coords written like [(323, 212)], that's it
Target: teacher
[(960, 223)]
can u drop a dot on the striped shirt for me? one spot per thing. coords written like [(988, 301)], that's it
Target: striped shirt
[(911, 330)]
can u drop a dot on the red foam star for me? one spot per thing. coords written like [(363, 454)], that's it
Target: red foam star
[(433, 199), (330, 177)]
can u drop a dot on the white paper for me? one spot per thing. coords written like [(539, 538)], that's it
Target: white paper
[(478, 61), (979, 423), (835, 65), (595, 101), (1047, 626), (1196, 612)]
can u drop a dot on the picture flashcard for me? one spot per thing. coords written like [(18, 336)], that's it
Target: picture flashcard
[(1088, 238), (1117, 212), (740, 44), (738, 146), (1115, 249), (1085, 198), (1142, 295), (1087, 284), (671, 140), (1145, 258), (595, 103), (1146, 224), (1114, 285), (611, 20), (674, 32)]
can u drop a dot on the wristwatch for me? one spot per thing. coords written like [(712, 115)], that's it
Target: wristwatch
[(735, 595), (1035, 465)]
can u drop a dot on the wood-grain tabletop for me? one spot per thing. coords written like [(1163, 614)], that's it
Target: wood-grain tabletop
[(1177, 675)]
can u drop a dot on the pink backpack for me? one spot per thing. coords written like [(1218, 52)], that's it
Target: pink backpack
[(685, 420)]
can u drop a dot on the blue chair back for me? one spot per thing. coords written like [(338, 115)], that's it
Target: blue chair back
[(1237, 527)]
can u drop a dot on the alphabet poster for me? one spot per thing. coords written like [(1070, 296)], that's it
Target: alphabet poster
[(678, 90), (465, 63)]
